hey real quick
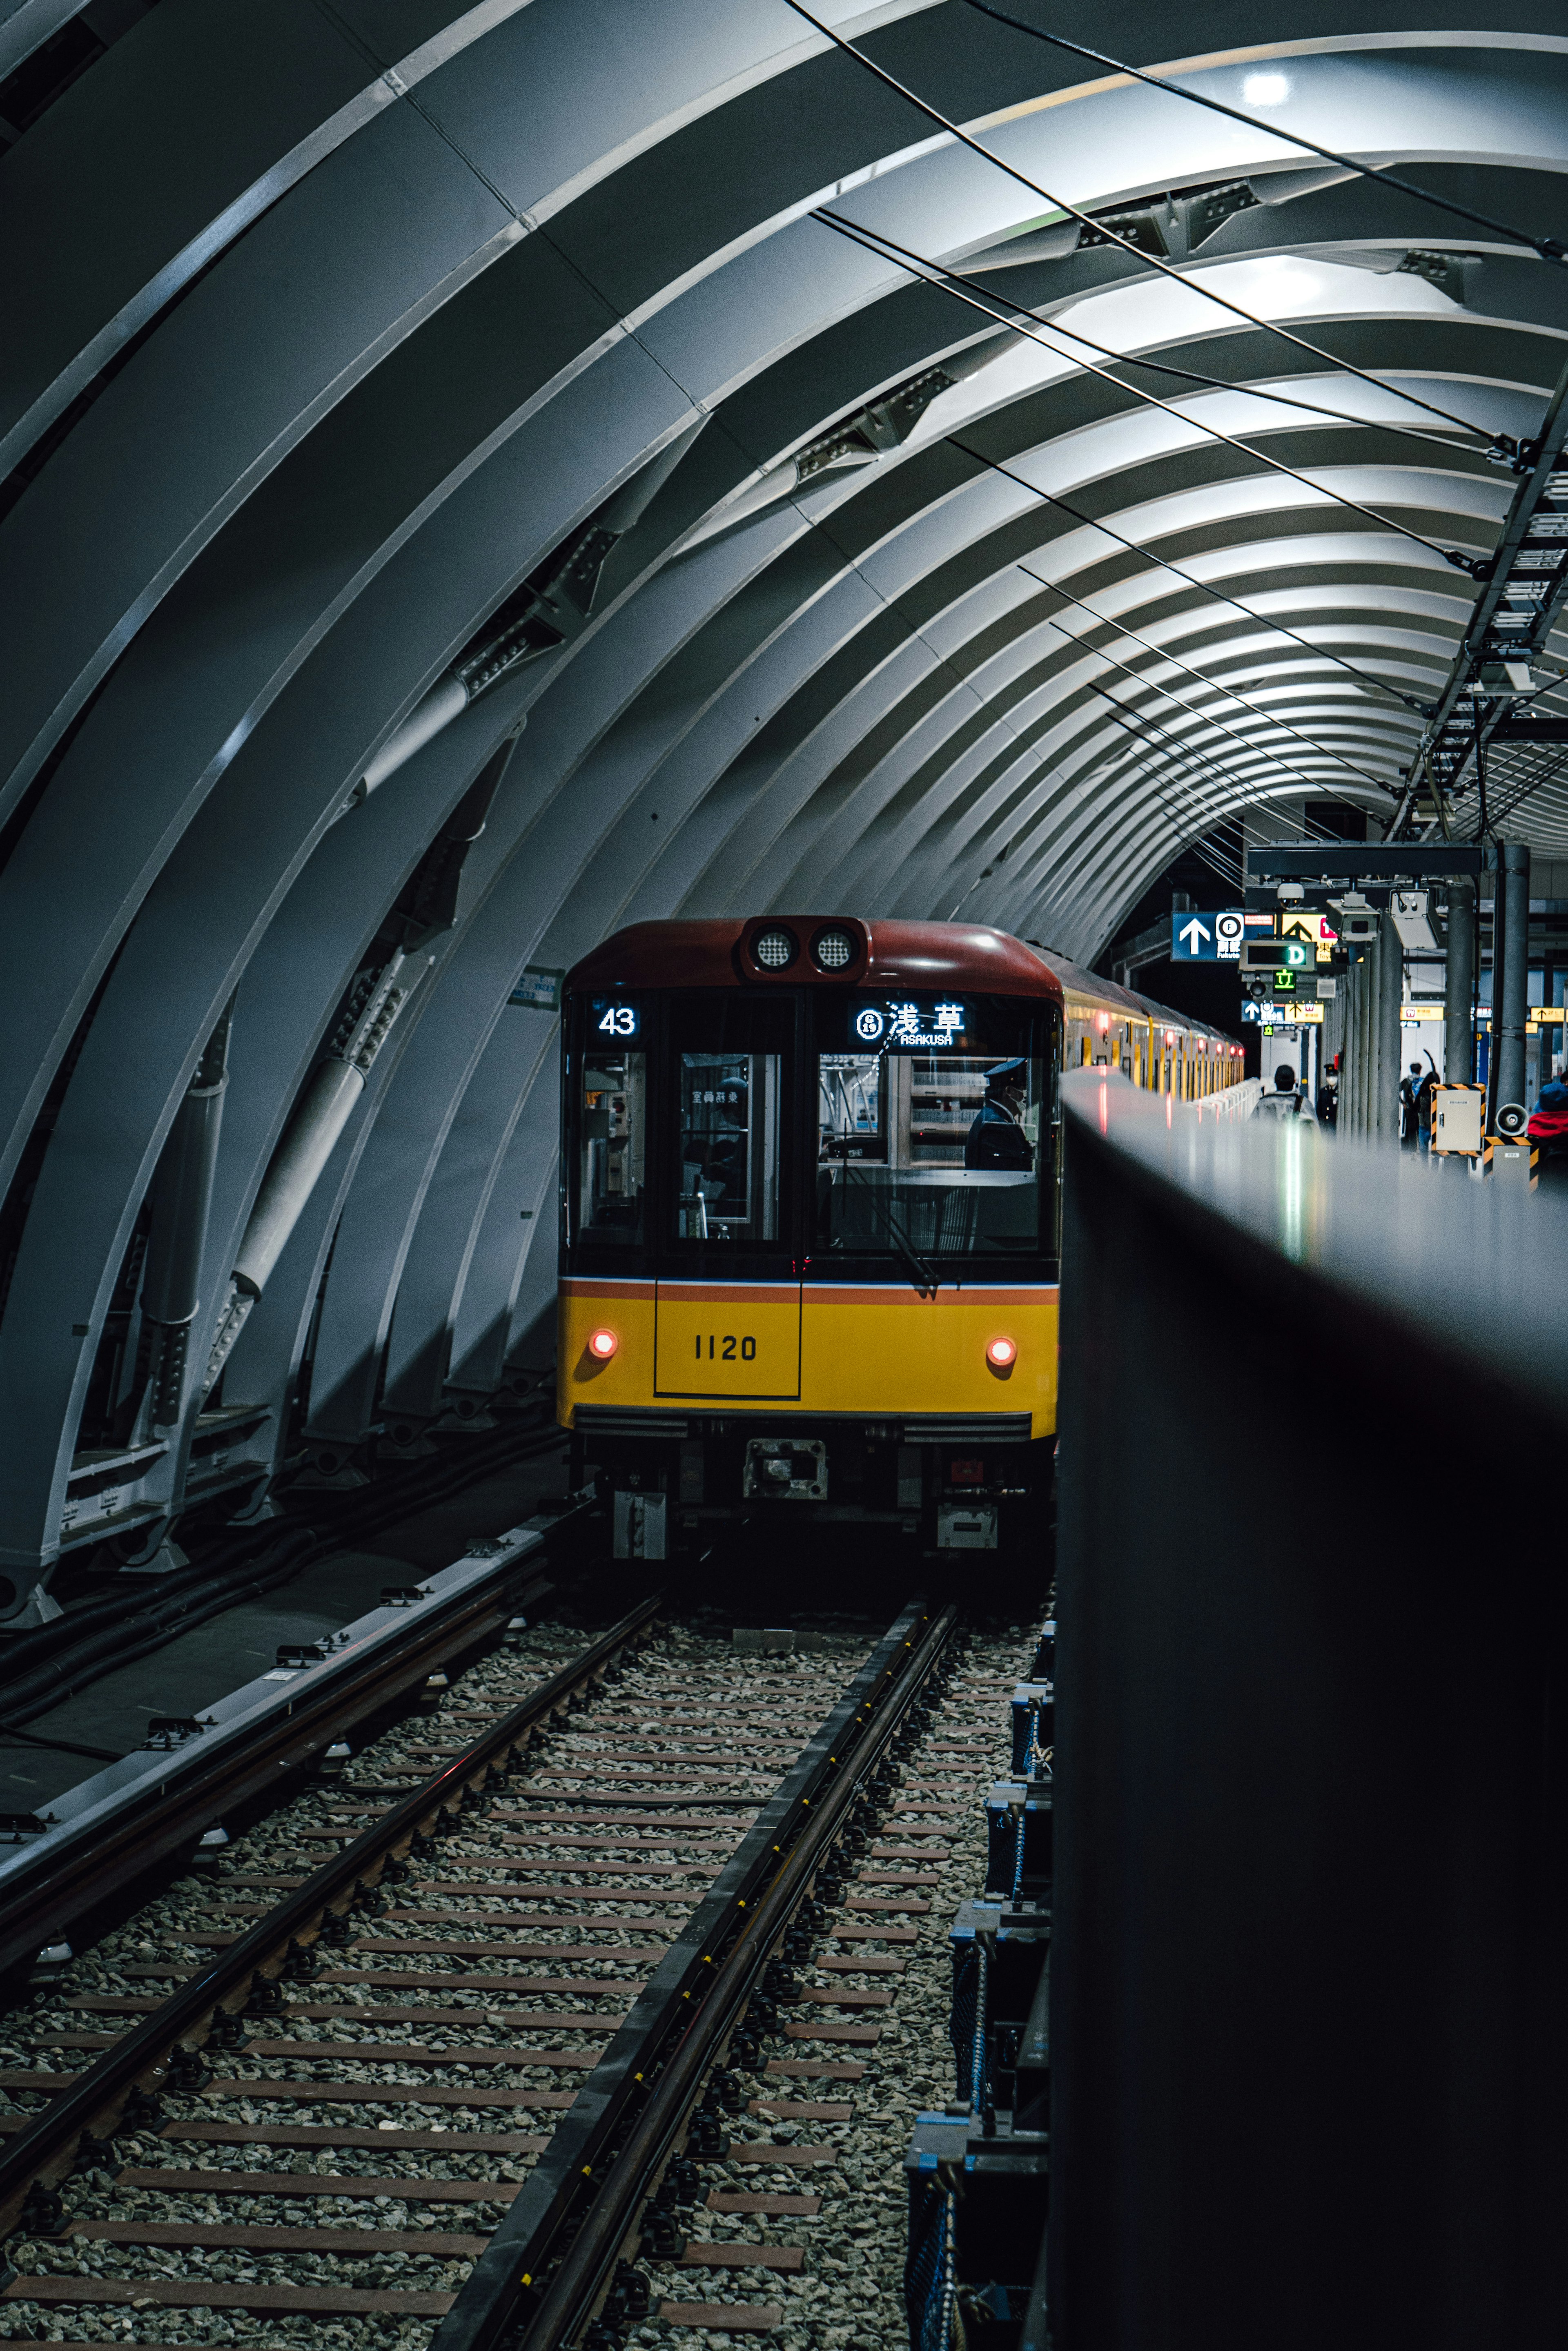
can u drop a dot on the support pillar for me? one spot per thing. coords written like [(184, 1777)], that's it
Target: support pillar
[(1459, 985), (1511, 983), (1390, 993)]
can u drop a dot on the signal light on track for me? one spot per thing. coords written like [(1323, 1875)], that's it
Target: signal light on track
[(602, 1344), (1001, 1353)]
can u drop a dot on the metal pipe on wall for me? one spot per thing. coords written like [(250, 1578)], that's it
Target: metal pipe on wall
[(1459, 984), (325, 1106), (182, 1199)]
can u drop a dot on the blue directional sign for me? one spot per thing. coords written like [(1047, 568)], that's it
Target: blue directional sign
[(1207, 938)]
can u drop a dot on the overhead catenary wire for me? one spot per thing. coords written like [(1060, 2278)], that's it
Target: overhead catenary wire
[(1185, 753), (932, 274), (1425, 436), (1254, 750), (1551, 249), (1134, 723), (1513, 796), (1163, 652), (1115, 237), (1226, 870), (1277, 627), (961, 292), (1159, 785)]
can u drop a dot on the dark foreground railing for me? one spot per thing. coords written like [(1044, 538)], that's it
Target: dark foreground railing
[(1310, 1971)]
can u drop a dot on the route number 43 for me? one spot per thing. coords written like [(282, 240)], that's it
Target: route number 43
[(726, 1349), (621, 1020)]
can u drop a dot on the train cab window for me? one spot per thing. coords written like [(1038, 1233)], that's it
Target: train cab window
[(612, 1148), (936, 1136), (729, 1095)]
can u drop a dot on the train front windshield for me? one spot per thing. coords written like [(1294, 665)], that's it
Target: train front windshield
[(935, 1130), (866, 1135)]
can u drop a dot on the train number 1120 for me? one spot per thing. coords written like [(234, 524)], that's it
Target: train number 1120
[(726, 1349)]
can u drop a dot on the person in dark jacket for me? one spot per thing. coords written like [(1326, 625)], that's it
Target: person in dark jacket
[(1409, 1086), (997, 1139), (1328, 1097)]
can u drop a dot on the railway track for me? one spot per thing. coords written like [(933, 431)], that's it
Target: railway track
[(452, 2052)]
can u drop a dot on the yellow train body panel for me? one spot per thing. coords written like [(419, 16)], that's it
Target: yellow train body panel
[(886, 1351), (872, 1353)]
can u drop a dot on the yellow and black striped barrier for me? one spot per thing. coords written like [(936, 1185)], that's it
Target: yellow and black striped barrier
[(1511, 1158)]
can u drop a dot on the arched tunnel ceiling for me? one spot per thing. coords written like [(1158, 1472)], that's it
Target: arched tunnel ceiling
[(348, 344)]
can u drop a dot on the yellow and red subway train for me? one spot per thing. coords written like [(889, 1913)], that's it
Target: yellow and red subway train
[(810, 1215)]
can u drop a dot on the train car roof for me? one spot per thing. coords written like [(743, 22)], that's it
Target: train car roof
[(1089, 982), (1106, 993), (709, 954)]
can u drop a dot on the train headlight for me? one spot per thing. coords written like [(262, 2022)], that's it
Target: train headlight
[(601, 1344), (776, 948), (1001, 1353), (832, 950)]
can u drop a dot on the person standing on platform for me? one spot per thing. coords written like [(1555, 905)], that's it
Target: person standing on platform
[(1287, 1101), (1423, 1093), (1408, 1088), (1328, 1097)]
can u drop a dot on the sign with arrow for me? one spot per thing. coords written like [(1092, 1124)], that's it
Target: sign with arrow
[(1207, 938)]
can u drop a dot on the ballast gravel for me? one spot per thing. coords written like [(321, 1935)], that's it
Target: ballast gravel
[(738, 1723), (849, 2295)]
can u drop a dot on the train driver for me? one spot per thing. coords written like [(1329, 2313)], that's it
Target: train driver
[(997, 1139)]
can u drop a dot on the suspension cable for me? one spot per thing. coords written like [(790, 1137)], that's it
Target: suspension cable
[(1129, 724), (1186, 755), (931, 273), (1137, 677), (1133, 724), (1090, 522), (1103, 228), (1424, 435), (1202, 678), (1549, 247)]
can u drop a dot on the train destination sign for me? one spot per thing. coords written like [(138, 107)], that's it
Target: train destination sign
[(901, 1025)]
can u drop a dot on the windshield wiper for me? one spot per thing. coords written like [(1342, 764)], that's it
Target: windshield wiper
[(921, 1276)]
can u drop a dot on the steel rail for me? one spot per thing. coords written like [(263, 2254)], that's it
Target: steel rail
[(553, 2262), (78, 1867), (130, 2074)]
